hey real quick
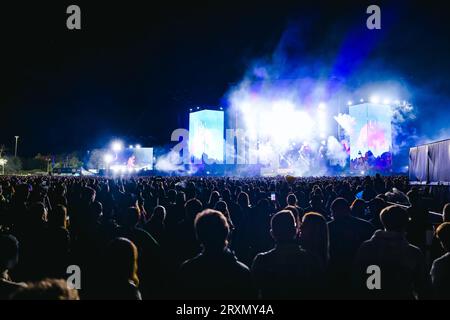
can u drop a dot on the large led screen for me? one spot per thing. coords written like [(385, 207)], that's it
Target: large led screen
[(371, 137), (206, 129)]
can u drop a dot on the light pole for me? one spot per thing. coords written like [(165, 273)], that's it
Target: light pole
[(15, 149)]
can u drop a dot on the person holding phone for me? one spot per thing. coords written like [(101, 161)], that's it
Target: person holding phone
[(273, 197)]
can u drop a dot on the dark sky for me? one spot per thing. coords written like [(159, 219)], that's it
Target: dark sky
[(134, 70)]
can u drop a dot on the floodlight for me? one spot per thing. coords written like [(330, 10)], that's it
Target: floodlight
[(117, 146)]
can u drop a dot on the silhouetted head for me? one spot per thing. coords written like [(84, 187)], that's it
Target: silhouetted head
[(212, 230), (38, 212), (226, 195), (446, 213), (192, 208), (214, 198), (159, 214), (283, 227), (413, 197), (9, 252), (58, 216), (314, 234), (263, 206), (96, 210), (122, 257), (181, 198), (313, 223), (191, 190), (394, 218), (291, 199), (358, 208), (376, 205), (88, 195), (443, 234), (130, 217), (295, 212), (172, 195), (243, 200), (222, 207), (316, 201), (340, 208)]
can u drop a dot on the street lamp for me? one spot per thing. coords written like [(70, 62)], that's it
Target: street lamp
[(15, 149)]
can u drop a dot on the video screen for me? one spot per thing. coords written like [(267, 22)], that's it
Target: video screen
[(137, 158), (371, 137), (206, 129)]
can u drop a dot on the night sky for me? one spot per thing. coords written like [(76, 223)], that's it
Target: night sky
[(133, 71)]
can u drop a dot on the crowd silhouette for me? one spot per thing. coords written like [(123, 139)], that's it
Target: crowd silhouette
[(221, 238)]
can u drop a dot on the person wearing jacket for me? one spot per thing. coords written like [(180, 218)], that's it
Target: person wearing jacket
[(387, 266), (215, 273)]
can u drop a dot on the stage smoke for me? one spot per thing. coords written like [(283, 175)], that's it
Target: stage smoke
[(346, 122), (169, 162), (336, 153)]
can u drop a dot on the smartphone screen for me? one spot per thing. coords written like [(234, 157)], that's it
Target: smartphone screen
[(272, 196)]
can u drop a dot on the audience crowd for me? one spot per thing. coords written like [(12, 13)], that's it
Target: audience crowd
[(222, 238)]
